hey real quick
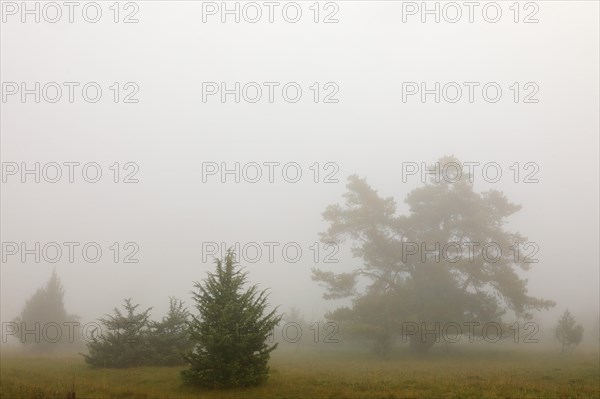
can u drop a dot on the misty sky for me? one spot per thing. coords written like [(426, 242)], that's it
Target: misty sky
[(170, 132)]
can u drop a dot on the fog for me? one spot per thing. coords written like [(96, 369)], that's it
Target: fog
[(172, 140)]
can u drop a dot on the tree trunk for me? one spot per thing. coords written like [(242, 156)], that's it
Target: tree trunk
[(382, 346), (421, 344)]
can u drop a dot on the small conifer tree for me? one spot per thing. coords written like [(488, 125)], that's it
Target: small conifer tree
[(230, 331), (123, 341)]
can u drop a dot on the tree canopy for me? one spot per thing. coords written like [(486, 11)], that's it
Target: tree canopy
[(449, 259)]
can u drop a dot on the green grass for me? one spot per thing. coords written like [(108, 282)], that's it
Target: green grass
[(326, 374)]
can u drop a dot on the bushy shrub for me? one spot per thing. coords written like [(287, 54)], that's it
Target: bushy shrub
[(129, 338)]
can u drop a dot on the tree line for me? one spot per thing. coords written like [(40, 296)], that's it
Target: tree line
[(402, 275)]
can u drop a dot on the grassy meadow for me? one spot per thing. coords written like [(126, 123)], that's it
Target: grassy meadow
[(326, 374)]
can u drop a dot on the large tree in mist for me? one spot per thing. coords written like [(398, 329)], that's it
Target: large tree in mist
[(230, 331), (428, 267), (44, 324)]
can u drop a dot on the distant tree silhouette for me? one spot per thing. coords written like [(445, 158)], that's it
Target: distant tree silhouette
[(44, 324), (567, 333)]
